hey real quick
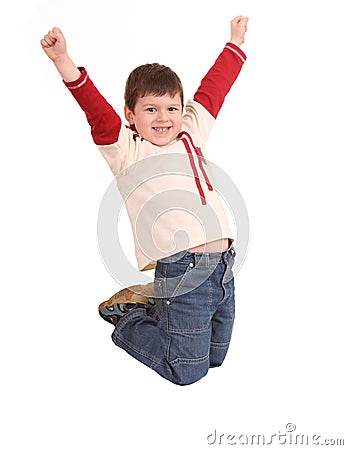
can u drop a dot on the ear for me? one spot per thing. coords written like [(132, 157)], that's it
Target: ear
[(129, 115)]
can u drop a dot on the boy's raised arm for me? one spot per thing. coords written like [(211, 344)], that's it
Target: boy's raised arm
[(104, 121), (54, 46), (218, 81)]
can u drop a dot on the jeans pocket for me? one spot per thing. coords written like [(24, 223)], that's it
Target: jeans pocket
[(175, 280)]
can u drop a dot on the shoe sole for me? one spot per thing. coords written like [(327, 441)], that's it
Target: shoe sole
[(139, 293)]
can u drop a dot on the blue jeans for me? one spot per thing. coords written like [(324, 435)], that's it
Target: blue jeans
[(190, 327)]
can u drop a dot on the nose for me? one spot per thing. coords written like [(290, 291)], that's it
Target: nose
[(162, 116)]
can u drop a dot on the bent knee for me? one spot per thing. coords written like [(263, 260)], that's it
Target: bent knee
[(189, 371)]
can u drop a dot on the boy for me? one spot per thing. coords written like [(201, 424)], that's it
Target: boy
[(184, 327)]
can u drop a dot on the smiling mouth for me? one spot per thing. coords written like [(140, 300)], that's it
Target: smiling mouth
[(161, 130)]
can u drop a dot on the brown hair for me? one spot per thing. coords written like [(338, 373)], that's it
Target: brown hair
[(152, 79)]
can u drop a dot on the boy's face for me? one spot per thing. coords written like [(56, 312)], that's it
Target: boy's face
[(158, 119)]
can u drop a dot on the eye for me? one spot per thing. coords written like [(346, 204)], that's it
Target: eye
[(151, 109), (172, 109)]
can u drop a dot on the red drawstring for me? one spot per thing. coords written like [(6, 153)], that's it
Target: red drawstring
[(194, 168), (192, 162)]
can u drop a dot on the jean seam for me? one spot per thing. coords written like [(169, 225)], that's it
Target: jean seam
[(187, 330), (219, 344), (190, 360)]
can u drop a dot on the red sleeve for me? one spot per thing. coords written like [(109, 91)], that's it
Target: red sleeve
[(218, 81), (104, 121)]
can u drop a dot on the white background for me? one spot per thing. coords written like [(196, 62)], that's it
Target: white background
[(281, 138)]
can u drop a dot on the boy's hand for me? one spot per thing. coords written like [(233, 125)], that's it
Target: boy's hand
[(54, 44), (239, 26), (55, 48)]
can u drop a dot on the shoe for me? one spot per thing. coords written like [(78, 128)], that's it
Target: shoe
[(113, 314), (126, 300)]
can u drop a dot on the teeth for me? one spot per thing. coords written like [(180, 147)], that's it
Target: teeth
[(161, 129)]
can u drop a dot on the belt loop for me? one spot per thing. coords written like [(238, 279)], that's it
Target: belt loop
[(201, 259), (233, 251), (228, 275)]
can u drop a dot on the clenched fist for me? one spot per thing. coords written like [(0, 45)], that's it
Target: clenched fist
[(239, 26), (54, 44)]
